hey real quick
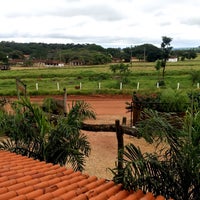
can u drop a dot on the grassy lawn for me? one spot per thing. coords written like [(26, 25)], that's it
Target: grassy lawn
[(97, 79)]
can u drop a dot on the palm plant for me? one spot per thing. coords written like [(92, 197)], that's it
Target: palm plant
[(32, 134), (173, 170), (66, 143)]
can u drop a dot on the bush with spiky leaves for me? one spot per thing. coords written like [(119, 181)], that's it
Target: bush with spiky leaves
[(173, 170), (32, 134)]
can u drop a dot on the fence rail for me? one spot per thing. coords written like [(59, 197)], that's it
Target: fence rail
[(99, 86), (119, 129)]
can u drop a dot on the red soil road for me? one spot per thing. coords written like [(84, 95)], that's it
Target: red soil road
[(101, 104), (104, 144), (108, 108)]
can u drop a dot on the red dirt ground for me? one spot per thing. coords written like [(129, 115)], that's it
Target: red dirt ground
[(104, 144)]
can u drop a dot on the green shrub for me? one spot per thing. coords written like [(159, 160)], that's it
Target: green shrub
[(173, 101), (99, 77), (173, 169), (49, 105)]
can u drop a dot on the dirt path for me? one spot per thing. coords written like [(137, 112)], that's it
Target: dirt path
[(104, 145)]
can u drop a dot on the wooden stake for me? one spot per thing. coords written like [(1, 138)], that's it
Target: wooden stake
[(120, 145)]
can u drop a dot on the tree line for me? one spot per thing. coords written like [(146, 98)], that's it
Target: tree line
[(87, 54)]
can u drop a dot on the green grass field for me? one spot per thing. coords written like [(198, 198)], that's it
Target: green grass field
[(97, 79)]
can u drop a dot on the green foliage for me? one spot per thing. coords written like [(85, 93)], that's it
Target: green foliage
[(173, 170), (87, 53), (123, 71), (99, 77), (66, 145), (50, 105), (166, 51), (69, 77), (114, 52), (146, 100), (86, 56), (32, 134), (186, 54), (147, 52), (158, 65), (195, 76), (28, 63), (167, 100), (195, 98), (173, 101)]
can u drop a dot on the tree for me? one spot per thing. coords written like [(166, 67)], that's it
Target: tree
[(114, 52), (122, 69), (157, 67), (32, 134), (166, 50), (3, 58), (147, 52), (195, 76)]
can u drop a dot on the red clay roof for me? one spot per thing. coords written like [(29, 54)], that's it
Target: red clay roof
[(23, 178)]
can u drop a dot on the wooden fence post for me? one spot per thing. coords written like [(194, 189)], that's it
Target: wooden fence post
[(120, 146), (58, 86), (65, 102), (178, 86), (138, 86), (124, 121), (36, 86), (121, 86)]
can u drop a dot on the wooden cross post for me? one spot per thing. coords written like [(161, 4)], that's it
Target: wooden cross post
[(120, 145)]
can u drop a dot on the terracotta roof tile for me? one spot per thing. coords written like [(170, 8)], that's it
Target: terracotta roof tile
[(148, 196), (120, 195), (23, 178), (69, 195), (21, 197), (46, 196), (3, 178), (3, 190), (8, 195), (34, 194), (16, 186), (31, 182), (25, 190), (160, 198), (135, 196), (81, 197)]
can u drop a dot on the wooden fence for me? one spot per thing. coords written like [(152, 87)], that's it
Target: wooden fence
[(121, 86), (119, 129)]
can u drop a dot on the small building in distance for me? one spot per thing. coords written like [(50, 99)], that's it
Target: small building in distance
[(172, 59)]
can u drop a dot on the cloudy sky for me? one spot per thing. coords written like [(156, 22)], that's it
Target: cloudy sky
[(109, 23)]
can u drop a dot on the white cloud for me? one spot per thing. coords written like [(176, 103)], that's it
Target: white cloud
[(116, 23)]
